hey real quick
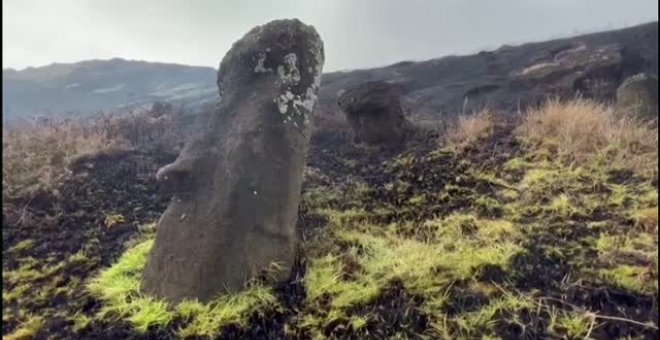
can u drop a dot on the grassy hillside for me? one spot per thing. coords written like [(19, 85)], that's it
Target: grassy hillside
[(436, 87), (88, 87), (540, 225)]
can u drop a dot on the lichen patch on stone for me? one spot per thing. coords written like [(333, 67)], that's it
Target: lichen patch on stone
[(296, 105), (260, 64), (288, 74)]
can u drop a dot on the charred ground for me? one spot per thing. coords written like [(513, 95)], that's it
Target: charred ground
[(492, 237)]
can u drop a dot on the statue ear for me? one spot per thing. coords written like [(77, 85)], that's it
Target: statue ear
[(179, 176)]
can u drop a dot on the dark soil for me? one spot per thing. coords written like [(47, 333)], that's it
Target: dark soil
[(74, 220)]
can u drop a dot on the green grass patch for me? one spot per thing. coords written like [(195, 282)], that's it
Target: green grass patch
[(27, 328), (372, 257), (631, 278), (22, 245), (574, 326), (118, 288)]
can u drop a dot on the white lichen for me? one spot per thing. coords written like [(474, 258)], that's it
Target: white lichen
[(288, 74), (307, 101), (260, 64), (282, 103), (296, 105)]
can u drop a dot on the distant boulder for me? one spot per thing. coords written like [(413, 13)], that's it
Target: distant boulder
[(638, 95), (374, 112)]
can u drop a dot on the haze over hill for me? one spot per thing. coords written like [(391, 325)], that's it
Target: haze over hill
[(86, 87), (437, 86)]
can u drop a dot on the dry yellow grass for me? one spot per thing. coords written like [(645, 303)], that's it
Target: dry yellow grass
[(581, 131), (34, 157), (470, 128)]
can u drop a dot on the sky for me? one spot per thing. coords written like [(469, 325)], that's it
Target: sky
[(356, 33)]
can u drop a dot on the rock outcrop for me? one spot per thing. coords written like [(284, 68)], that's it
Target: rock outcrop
[(237, 185), (591, 72), (374, 112), (638, 95)]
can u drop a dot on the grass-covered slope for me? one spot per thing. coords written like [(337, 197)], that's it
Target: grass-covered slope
[(538, 227)]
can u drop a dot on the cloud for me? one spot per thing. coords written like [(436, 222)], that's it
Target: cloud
[(356, 34)]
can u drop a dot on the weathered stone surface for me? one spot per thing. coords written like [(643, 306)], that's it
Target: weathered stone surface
[(374, 112), (638, 95), (590, 71), (237, 185)]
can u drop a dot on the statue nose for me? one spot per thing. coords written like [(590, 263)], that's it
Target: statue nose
[(178, 177), (164, 173)]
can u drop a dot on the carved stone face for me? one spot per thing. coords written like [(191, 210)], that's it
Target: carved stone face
[(237, 186)]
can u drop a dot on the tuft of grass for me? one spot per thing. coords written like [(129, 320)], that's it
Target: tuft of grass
[(30, 272), (632, 242), (575, 326), (113, 219), (78, 257), (324, 279), (28, 329), (358, 321), (121, 280), (206, 320), (582, 131), (497, 230), (15, 293), (631, 278), (647, 218), (515, 164), (80, 321), (619, 195), (22, 245), (147, 313), (508, 303), (562, 206), (469, 128), (418, 201), (118, 288), (488, 205), (148, 228)]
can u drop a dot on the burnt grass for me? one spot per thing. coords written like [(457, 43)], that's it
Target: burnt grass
[(62, 224), (71, 220)]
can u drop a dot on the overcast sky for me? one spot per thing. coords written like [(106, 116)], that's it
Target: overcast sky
[(356, 33)]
